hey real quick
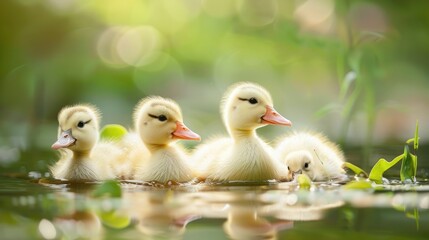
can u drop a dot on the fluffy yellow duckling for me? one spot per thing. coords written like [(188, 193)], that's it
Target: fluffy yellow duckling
[(243, 156), (311, 154), (159, 123), (83, 157)]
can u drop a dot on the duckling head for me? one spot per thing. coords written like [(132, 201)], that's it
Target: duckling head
[(248, 106), (159, 121), (302, 162), (78, 128)]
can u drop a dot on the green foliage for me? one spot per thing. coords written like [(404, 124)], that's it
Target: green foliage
[(114, 219), (113, 132), (109, 188), (304, 181), (409, 164), (357, 170), (358, 185), (382, 166)]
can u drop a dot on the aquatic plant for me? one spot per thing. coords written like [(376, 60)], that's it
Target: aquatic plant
[(408, 167)]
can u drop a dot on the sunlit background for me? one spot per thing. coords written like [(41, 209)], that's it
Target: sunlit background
[(354, 70)]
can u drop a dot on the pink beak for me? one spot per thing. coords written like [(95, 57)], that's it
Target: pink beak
[(182, 132), (273, 117), (64, 140)]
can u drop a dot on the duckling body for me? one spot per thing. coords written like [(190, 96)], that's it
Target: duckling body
[(82, 156), (250, 159), (243, 156), (311, 154), (159, 123)]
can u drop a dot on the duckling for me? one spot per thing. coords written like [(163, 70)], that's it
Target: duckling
[(82, 156), (243, 156), (311, 154), (159, 123)]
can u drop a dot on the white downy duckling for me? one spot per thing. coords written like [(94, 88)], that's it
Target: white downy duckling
[(311, 154), (243, 156), (159, 123), (82, 156)]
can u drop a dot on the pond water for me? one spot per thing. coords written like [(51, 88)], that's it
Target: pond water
[(30, 210)]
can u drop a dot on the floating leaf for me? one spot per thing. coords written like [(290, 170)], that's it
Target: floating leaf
[(110, 188), (304, 181), (355, 185), (357, 170), (409, 166), (113, 132), (381, 166), (114, 219)]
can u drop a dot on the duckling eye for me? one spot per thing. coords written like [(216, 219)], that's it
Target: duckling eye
[(253, 100), (81, 124), (306, 165), (288, 168), (162, 118)]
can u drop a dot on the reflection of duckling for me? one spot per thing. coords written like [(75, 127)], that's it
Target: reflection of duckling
[(244, 222), (82, 156), (312, 154), (159, 123), (159, 214), (243, 156)]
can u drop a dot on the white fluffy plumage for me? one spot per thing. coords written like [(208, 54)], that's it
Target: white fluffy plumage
[(311, 154), (82, 156), (243, 156)]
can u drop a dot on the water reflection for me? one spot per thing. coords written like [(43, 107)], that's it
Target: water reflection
[(184, 212)]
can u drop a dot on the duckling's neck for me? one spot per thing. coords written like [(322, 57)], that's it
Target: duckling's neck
[(156, 147), (240, 134), (80, 155)]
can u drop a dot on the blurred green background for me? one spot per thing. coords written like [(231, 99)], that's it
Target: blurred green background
[(355, 70)]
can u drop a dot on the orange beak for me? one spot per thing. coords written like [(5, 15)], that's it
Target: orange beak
[(182, 132), (273, 117)]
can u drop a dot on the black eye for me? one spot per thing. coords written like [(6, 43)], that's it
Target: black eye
[(288, 168), (306, 165), (253, 100), (162, 118), (80, 124)]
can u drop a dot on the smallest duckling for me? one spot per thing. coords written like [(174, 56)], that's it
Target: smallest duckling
[(311, 154)]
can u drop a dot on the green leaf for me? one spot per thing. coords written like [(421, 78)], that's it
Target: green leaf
[(304, 181), (358, 185), (416, 136), (381, 166), (415, 139), (114, 219), (109, 188), (113, 132), (357, 170), (409, 166)]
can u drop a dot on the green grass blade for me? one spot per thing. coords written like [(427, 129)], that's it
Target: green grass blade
[(416, 136), (382, 166), (357, 170)]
